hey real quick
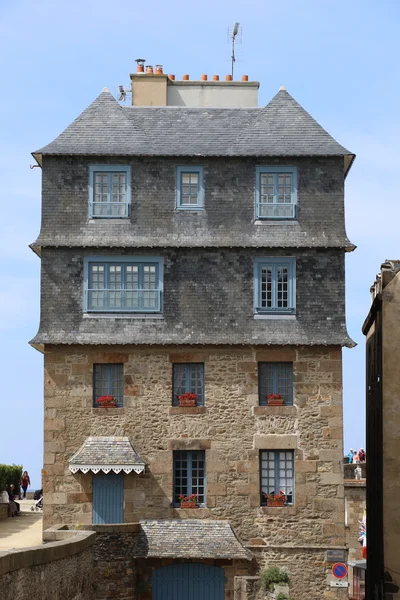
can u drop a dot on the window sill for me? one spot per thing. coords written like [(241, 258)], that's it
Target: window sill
[(203, 509), (274, 317), (110, 315), (114, 220), (286, 411), (102, 411), (276, 221), (187, 410), (281, 511), (199, 209)]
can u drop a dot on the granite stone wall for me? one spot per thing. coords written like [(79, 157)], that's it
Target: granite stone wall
[(231, 428)]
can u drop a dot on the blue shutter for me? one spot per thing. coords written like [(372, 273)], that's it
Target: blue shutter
[(108, 498), (188, 581)]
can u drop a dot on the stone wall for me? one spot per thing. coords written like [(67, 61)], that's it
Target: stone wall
[(232, 429), (60, 570)]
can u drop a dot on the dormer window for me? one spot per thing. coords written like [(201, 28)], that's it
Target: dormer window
[(109, 191), (276, 192), (189, 188)]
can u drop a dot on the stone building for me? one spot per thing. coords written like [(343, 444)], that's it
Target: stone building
[(193, 243), (382, 331)]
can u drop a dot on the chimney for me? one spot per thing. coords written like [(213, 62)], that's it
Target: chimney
[(149, 88)]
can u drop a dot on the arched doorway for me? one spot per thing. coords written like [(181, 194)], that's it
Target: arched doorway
[(188, 581)]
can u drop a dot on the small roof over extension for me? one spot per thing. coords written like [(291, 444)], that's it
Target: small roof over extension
[(106, 454), (190, 538), (282, 128)]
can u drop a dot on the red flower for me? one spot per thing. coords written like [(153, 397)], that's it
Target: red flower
[(187, 396), (273, 396), (105, 399)]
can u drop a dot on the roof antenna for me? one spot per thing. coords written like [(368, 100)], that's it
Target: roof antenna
[(123, 91), (234, 36)]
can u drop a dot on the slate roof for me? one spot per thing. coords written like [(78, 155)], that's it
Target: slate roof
[(189, 538), (282, 128), (106, 454)]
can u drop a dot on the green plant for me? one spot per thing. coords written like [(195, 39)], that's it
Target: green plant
[(274, 575), (282, 596), (10, 474)]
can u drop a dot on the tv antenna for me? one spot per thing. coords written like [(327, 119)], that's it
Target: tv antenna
[(234, 37), (123, 91)]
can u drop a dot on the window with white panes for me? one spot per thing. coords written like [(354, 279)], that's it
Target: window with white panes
[(108, 380), (275, 285), (109, 191), (189, 475), (277, 473), (277, 379), (123, 285), (276, 192), (189, 188), (188, 378)]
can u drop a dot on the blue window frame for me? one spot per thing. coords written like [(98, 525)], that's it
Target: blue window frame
[(275, 378), (277, 474), (190, 475), (123, 284), (276, 192), (189, 188), (188, 377), (275, 286), (108, 380), (109, 191)]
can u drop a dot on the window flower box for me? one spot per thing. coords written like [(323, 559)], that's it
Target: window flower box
[(188, 501), (275, 400), (106, 402), (276, 499), (187, 399)]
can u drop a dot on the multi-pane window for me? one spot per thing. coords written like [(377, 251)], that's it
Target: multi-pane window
[(277, 473), (276, 192), (275, 285), (126, 285), (108, 380), (189, 187), (189, 474), (277, 379), (109, 191), (188, 377)]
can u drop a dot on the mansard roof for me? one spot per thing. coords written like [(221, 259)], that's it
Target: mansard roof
[(282, 128)]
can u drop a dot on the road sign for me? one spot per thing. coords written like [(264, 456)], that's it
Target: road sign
[(335, 556), (339, 570), (339, 583)]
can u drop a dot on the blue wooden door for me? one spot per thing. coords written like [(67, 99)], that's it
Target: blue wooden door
[(188, 581), (108, 498)]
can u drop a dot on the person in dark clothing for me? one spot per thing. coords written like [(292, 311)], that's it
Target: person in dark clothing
[(25, 482), (12, 499)]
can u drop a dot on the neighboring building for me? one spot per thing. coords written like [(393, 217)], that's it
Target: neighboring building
[(197, 250), (382, 330)]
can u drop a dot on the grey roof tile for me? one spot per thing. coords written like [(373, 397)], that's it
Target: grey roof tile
[(111, 453), (189, 538), (282, 128)]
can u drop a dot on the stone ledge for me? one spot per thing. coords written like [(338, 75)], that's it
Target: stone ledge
[(115, 528), (189, 444), (63, 543), (105, 412), (285, 411), (276, 442), (187, 410), (279, 511), (355, 483)]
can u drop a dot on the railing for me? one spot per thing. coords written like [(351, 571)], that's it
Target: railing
[(100, 300), (269, 210), (263, 310), (110, 210)]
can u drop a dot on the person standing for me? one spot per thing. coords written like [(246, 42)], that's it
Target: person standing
[(350, 456), (25, 482)]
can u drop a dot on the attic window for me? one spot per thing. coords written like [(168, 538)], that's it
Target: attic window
[(109, 191), (276, 192)]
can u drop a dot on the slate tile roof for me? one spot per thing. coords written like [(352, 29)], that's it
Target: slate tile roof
[(189, 538), (111, 453), (282, 128)]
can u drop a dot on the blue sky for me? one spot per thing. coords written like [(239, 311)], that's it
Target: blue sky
[(338, 58)]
